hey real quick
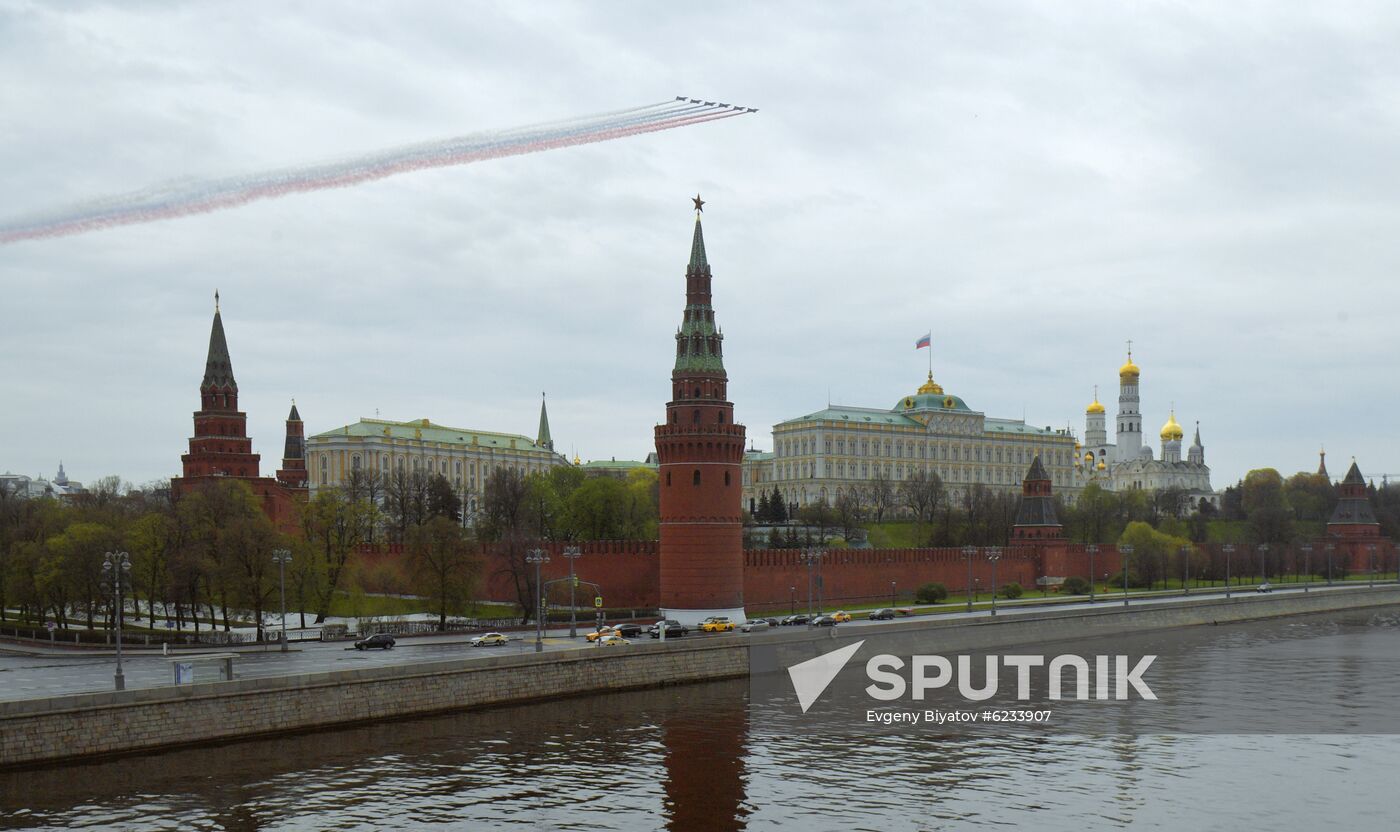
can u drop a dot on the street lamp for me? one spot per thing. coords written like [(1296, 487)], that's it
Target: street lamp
[(812, 557), (537, 557), (572, 553), (282, 557), (1228, 549), (892, 593), (968, 553), (1185, 570), (1330, 548), (792, 600), (1307, 564), (1126, 549), (114, 566), (1264, 561), (994, 555), (1092, 550), (1371, 549)]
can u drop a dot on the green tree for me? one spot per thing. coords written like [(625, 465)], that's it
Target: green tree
[(442, 565), (1266, 507)]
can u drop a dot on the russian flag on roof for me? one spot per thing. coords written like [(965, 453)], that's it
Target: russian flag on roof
[(924, 341)]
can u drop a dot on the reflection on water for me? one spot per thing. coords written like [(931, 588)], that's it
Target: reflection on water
[(694, 758)]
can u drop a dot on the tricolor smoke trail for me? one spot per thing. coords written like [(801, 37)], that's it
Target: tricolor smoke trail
[(184, 199)]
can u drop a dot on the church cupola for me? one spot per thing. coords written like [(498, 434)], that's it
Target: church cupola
[(1197, 454), (1095, 423), (1171, 435)]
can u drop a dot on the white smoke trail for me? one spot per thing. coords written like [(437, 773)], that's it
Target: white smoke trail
[(186, 198)]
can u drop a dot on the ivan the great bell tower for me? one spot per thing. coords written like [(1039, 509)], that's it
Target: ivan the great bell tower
[(700, 450)]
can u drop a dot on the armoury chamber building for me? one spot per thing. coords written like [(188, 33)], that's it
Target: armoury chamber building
[(466, 457), (818, 457)]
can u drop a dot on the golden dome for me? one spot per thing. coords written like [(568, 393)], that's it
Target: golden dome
[(1095, 407), (577, 461), (931, 386), (1129, 370), (1101, 465), (1089, 457), (1171, 430)]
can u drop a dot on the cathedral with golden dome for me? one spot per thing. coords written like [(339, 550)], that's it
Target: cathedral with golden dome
[(1128, 462)]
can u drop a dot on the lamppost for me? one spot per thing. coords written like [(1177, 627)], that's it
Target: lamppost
[(1228, 549), (1126, 549), (994, 555), (1264, 561), (114, 566), (1092, 550), (1371, 581), (282, 557), (812, 557), (1185, 570), (892, 593), (572, 553), (968, 553), (537, 557), (1307, 564), (1330, 548), (792, 599)]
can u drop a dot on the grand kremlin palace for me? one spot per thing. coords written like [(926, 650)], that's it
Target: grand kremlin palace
[(817, 456)]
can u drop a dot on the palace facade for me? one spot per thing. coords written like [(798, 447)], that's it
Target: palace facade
[(819, 456)]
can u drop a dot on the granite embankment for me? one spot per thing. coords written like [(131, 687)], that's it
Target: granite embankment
[(48, 730)]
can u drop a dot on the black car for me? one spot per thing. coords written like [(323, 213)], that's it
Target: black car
[(381, 640), (773, 622), (674, 629), (793, 620), (824, 621), (628, 630), (884, 614)]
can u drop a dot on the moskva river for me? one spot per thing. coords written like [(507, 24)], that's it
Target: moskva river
[(698, 758)]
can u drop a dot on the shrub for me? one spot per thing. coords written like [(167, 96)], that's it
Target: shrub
[(1075, 585), (931, 593), (1011, 590)]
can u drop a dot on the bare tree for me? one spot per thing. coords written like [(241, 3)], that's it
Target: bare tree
[(922, 493), (850, 509), (881, 494)]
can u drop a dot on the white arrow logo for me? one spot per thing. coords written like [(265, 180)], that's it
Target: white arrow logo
[(811, 677)]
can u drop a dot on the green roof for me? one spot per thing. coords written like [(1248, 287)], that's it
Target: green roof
[(1017, 426), (617, 464), (932, 401), (426, 431), (757, 456), (859, 415)]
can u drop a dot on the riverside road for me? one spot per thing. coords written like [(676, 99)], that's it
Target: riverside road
[(36, 671)]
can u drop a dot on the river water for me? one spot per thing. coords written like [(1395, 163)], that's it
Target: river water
[(697, 758)]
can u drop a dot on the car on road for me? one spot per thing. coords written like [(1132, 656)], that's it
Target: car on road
[(490, 640), (612, 641), (773, 622), (674, 629), (754, 624), (717, 624), (600, 633), (841, 616), (882, 614), (383, 641), (1265, 587), (794, 620), (627, 630), (824, 621)]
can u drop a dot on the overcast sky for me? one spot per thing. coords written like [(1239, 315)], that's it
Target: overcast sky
[(1035, 182)]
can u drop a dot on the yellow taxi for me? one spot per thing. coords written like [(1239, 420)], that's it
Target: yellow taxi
[(612, 641), (717, 624), (841, 616), (602, 632)]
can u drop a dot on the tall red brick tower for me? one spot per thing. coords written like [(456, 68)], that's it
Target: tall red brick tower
[(220, 446), (700, 450), (293, 470)]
